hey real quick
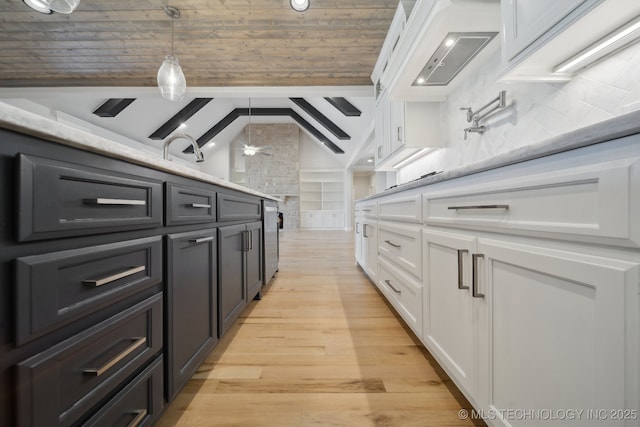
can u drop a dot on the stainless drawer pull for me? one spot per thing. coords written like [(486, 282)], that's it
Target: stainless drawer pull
[(139, 342), (129, 272), (140, 416), (197, 205), (395, 245), (461, 253), (392, 287), (202, 240), (474, 283), (127, 202), (459, 208)]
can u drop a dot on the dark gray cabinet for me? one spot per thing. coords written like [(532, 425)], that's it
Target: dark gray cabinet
[(234, 208), (192, 304), (61, 199), (63, 383), (55, 289), (189, 205), (240, 277), (139, 404)]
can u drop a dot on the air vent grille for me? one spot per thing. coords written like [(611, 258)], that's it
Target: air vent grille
[(451, 56)]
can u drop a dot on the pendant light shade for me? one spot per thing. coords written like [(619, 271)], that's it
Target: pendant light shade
[(48, 6), (171, 80), (299, 5)]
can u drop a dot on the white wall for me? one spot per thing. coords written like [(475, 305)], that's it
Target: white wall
[(315, 156), (537, 111)]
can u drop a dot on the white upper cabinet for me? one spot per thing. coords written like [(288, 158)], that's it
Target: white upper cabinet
[(539, 35)]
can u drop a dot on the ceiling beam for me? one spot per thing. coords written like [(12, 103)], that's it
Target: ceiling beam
[(344, 106), (112, 107), (179, 118), (234, 114), (321, 118)]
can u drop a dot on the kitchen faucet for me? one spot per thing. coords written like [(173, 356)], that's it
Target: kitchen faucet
[(194, 143)]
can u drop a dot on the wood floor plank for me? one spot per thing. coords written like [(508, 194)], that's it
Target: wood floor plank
[(322, 348)]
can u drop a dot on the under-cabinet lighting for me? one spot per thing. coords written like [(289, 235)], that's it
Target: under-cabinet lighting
[(412, 157), (618, 39)]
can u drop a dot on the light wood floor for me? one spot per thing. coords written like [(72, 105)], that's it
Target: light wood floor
[(321, 348)]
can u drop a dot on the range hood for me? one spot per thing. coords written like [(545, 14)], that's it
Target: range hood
[(444, 41)]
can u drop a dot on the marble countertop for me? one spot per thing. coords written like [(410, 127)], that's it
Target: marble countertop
[(617, 127), (22, 121)]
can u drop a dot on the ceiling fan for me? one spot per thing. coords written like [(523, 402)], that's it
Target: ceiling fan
[(252, 150)]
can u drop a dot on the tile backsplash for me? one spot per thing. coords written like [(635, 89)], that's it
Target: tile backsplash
[(535, 111)]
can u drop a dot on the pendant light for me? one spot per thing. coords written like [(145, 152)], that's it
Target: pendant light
[(299, 5), (171, 80), (49, 6)]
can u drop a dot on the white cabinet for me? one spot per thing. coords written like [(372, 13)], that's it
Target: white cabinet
[(556, 332), (404, 128), (322, 199), (540, 35), (525, 21), (367, 238), (450, 313)]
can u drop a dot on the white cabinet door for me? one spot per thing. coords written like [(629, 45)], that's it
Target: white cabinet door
[(524, 21), (553, 333), (449, 328), (382, 123), (370, 249), (396, 126), (311, 219), (358, 242), (332, 219)]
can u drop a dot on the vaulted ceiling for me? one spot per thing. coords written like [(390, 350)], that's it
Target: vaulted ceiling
[(218, 43)]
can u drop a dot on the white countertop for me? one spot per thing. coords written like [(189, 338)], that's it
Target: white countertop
[(22, 121), (618, 127)]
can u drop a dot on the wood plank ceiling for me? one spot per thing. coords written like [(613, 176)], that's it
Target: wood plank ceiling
[(218, 43)]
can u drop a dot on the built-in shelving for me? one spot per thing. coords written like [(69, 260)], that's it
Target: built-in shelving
[(322, 199)]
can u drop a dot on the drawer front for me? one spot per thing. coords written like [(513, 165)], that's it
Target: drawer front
[(583, 203), (186, 205), (407, 208), (59, 199), (403, 292), (402, 245), (68, 380), (139, 404), (369, 209), (55, 289), (231, 208)]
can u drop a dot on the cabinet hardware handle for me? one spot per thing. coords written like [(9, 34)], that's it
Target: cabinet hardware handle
[(380, 152), (399, 133), (390, 243), (366, 210), (364, 231), (202, 240), (197, 205), (474, 283), (129, 272), (459, 208), (245, 236), (250, 240), (140, 416), (357, 228), (126, 202), (137, 343), (392, 287), (461, 253)]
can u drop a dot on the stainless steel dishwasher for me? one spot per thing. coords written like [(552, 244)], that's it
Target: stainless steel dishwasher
[(271, 244)]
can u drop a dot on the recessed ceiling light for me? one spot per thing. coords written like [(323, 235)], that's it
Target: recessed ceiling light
[(299, 5), (38, 6), (420, 80), (182, 126)]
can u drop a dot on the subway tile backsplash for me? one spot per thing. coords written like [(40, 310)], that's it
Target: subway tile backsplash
[(535, 112)]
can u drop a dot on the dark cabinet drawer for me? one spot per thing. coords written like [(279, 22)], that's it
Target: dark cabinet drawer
[(139, 404), (55, 289), (61, 385), (186, 205), (231, 208), (59, 199)]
